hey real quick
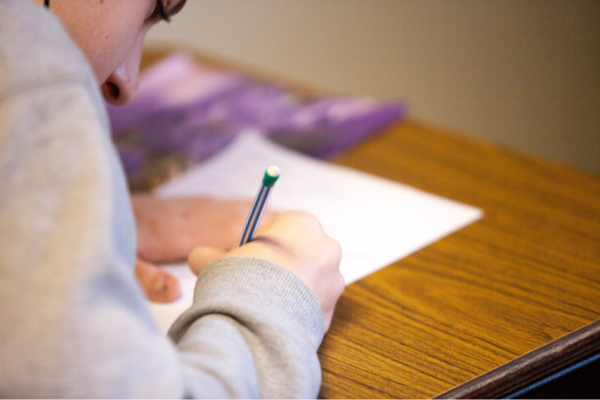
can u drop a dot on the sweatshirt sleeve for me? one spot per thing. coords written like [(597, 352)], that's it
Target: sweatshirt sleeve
[(261, 318)]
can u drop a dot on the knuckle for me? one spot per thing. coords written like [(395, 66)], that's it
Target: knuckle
[(335, 250), (304, 219), (294, 214)]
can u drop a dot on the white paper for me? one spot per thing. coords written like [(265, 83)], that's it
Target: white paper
[(376, 221)]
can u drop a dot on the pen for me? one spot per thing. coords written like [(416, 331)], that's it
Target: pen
[(259, 205)]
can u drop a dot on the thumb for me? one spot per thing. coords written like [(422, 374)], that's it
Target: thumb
[(201, 256), (159, 285)]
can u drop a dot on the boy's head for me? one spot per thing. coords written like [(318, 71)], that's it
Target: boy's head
[(111, 34)]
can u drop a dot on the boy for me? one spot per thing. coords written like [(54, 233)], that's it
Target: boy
[(74, 321)]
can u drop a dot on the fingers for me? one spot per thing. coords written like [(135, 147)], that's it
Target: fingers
[(201, 256), (159, 285)]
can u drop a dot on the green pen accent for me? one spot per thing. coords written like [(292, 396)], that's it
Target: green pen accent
[(271, 176)]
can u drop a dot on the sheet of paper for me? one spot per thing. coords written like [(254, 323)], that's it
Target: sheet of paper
[(376, 221)]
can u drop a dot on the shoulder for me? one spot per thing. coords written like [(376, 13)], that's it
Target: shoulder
[(36, 50)]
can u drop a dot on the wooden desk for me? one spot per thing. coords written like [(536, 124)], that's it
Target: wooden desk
[(525, 275)]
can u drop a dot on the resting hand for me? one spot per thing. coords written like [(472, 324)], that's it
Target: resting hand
[(297, 242), (168, 229)]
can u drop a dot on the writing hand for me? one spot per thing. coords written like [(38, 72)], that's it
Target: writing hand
[(296, 241)]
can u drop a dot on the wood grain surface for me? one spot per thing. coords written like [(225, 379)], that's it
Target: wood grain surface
[(528, 369), (525, 275)]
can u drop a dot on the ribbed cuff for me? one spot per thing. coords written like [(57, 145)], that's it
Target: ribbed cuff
[(256, 285)]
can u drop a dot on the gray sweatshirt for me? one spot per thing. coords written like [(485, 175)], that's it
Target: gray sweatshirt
[(73, 321)]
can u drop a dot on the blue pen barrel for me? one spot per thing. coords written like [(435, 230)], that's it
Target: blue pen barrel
[(259, 205), (258, 208)]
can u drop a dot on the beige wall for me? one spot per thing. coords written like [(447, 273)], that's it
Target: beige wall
[(525, 74)]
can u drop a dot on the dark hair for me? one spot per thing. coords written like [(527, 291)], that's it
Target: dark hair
[(47, 3)]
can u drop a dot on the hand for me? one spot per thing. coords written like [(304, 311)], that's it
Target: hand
[(168, 229), (297, 242)]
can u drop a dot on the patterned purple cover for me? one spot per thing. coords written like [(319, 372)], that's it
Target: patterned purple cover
[(185, 112)]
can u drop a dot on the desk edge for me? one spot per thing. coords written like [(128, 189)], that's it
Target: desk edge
[(532, 366)]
